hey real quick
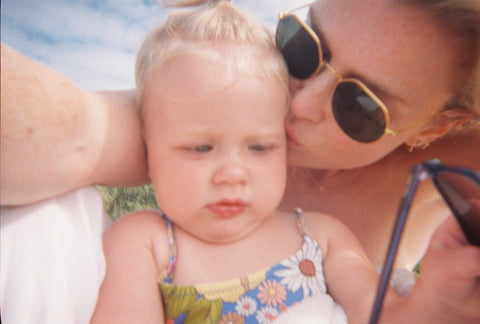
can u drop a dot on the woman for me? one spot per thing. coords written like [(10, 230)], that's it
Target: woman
[(418, 57), (424, 87)]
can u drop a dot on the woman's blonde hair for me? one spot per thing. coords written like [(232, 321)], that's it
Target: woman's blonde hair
[(216, 26), (463, 18)]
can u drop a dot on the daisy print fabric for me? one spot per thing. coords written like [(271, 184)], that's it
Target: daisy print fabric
[(259, 298)]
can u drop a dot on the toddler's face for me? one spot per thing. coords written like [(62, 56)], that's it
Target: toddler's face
[(216, 146)]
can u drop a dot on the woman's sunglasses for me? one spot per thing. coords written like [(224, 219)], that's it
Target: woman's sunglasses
[(358, 111), (459, 187)]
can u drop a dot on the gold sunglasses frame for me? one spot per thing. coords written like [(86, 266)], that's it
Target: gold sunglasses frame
[(340, 79)]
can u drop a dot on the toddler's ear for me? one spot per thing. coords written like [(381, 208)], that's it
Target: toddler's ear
[(438, 126)]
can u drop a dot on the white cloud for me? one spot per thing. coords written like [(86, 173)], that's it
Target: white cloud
[(93, 42)]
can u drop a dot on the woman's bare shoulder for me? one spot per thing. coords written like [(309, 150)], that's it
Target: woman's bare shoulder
[(460, 148)]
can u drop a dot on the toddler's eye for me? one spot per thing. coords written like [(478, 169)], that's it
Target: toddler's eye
[(202, 148), (259, 147)]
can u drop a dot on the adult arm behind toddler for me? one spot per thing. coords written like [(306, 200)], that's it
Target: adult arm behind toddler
[(55, 137)]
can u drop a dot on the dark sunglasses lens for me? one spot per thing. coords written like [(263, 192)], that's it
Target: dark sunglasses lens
[(462, 195), (357, 114), (298, 47)]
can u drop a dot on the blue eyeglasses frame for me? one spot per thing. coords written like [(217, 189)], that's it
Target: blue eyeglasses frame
[(469, 221)]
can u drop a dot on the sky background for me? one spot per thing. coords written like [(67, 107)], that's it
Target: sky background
[(94, 42)]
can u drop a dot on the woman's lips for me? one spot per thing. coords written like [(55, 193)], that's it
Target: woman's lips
[(227, 208)]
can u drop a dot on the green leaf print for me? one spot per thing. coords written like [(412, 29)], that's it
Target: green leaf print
[(178, 300), (205, 311)]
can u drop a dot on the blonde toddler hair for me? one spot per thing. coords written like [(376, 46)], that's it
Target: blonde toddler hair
[(218, 28)]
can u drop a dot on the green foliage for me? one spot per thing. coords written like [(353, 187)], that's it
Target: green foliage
[(416, 270), (120, 201)]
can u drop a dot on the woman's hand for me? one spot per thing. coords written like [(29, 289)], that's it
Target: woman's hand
[(450, 276)]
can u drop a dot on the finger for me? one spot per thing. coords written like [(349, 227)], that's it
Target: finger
[(451, 257), (448, 235)]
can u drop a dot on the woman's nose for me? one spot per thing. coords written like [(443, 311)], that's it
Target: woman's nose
[(311, 98)]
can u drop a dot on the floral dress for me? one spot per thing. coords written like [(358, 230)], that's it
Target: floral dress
[(257, 298)]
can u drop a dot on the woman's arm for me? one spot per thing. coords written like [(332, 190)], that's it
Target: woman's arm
[(446, 292), (55, 137), (130, 292)]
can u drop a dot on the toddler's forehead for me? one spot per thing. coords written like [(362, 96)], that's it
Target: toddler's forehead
[(194, 76)]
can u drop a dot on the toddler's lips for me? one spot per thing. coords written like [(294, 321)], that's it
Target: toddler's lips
[(292, 135), (227, 208)]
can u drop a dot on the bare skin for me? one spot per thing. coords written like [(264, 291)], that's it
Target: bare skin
[(364, 194), (354, 196), (361, 184), (57, 137), (367, 199)]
